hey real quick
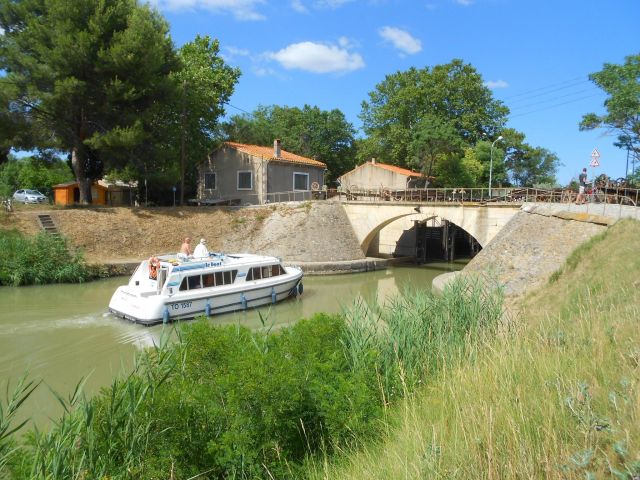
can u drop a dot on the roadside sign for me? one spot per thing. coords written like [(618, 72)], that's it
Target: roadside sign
[(595, 153), (595, 158)]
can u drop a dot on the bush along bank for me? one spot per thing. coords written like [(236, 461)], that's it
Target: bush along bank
[(40, 259), (225, 402)]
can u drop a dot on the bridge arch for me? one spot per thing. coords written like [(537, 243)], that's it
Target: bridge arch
[(480, 221)]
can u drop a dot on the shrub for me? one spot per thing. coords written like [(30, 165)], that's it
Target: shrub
[(40, 259)]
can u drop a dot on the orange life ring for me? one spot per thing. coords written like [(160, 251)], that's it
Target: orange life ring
[(154, 265)]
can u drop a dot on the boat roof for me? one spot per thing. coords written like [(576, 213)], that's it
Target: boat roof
[(216, 260)]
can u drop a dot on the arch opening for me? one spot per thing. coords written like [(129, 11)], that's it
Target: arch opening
[(424, 240)]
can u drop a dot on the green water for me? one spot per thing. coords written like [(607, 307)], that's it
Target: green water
[(61, 333)]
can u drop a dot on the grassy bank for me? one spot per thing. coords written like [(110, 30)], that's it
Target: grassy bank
[(557, 398)]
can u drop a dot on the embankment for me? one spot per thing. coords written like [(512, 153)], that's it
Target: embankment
[(317, 233)]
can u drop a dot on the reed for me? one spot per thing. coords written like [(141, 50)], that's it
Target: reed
[(40, 259), (416, 334), (555, 398)]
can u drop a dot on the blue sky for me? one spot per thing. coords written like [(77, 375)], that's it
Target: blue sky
[(535, 56)]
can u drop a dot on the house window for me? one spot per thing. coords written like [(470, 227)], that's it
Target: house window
[(300, 181), (209, 181), (245, 180)]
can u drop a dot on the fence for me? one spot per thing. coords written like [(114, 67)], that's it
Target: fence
[(621, 196)]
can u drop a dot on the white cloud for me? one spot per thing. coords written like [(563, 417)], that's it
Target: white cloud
[(240, 9), (298, 6), (230, 53), (465, 3), (401, 40), (317, 58), (493, 84)]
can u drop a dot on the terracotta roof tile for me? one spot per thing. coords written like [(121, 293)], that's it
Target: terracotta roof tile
[(400, 170), (267, 153)]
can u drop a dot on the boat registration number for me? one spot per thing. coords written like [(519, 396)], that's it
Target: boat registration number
[(179, 305)]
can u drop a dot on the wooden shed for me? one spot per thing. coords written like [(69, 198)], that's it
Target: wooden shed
[(69, 194)]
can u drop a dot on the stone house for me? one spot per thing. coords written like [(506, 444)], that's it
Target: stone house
[(377, 176), (240, 174)]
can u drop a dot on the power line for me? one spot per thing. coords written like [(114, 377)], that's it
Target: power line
[(554, 106), (543, 94), (554, 99), (553, 85)]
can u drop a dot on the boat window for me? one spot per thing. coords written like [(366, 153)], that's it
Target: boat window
[(183, 285), (194, 282), (276, 270), (266, 272), (208, 280), (219, 279)]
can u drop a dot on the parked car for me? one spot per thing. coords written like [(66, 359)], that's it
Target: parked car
[(29, 196)]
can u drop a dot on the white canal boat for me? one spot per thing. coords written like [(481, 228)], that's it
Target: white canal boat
[(167, 288)]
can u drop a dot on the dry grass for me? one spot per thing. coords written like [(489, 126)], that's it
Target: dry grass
[(559, 398)]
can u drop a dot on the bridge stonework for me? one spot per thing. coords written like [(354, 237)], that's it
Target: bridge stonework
[(481, 221)]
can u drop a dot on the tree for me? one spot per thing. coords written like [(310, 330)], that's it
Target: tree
[(452, 93), (308, 131), (622, 85), (87, 73), (204, 84), (527, 165), (430, 139)]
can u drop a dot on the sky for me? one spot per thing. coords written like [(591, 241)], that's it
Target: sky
[(535, 56)]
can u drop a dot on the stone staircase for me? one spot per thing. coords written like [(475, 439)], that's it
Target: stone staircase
[(47, 224)]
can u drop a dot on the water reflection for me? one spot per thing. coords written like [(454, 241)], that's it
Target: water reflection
[(60, 333)]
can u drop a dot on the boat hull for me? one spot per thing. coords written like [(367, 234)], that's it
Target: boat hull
[(154, 309)]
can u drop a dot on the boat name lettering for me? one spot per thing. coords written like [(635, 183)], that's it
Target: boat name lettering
[(178, 306), (213, 264)]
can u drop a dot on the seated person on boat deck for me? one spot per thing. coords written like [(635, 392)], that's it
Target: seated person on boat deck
[(201, 249), (185, 249)]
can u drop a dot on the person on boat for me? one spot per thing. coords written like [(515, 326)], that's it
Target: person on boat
[(201, 250), (185, 249), (154, 265)]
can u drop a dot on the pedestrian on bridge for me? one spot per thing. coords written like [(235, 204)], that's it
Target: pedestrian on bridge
[(582, 180)]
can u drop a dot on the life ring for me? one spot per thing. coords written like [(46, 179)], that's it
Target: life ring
[(154, 265), (315, 186)]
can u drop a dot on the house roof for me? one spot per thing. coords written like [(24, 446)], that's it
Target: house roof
[(400, 170), (268, 154), (391, 168)]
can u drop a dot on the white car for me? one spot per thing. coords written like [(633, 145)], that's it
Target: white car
[(29, 196)]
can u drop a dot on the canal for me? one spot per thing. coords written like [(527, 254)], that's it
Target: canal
[(61, 333)]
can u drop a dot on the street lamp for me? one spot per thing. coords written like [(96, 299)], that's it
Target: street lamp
[(491, 163)]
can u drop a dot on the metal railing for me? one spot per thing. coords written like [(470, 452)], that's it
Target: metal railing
[(619, 196)]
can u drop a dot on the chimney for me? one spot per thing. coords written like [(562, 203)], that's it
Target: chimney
[(373, 161), (276, 148)]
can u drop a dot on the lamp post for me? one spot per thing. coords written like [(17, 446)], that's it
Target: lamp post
[(491, 163)]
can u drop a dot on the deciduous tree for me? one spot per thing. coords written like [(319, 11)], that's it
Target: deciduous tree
[(622, 85), (452, 93)]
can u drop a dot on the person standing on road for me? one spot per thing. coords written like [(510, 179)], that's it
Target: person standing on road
[(582, 180)]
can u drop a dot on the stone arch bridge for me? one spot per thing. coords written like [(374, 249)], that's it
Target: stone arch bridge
[(483, 222)]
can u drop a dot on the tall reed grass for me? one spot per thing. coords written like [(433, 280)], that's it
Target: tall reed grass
[(416, 334)]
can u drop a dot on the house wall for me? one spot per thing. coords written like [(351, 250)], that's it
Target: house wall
[(65, 195), (280, 181), (269, 178), (368, 176), (225, 163)]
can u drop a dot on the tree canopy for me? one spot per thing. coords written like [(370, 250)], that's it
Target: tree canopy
[(622, 85), (309, 131), (452, 94)]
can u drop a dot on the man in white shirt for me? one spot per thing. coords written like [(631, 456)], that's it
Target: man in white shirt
[(201, 250)]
